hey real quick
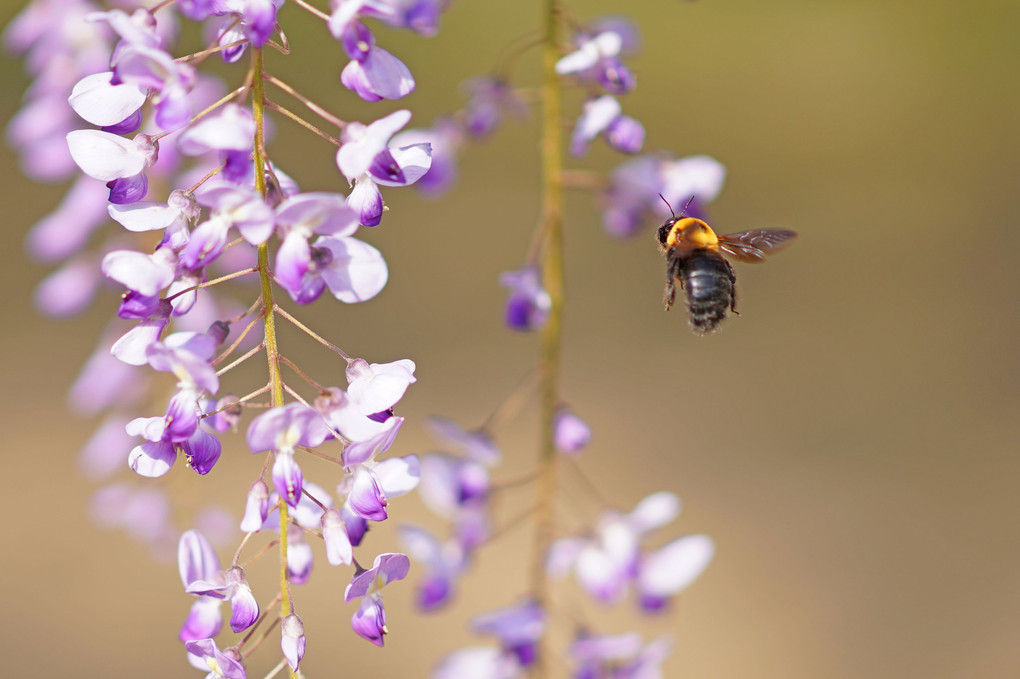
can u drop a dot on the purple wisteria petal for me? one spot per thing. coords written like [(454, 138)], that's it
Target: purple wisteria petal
[(244, 608), (386, 568), (287, 477), (64, 231), (259, 20), (102, 103), (292, 640), (145, 216), (325, 214), (377, 387), (672, 568), (284, 427), (476, 444), (293, 260), (626, 135), (231, 128), (596, 116), (338, 543), (106, 156), (366, 200), (204, 655), (68, 290), (204, 620), (145, 274), (256, 507), (300, 561), (356, 525), (377, 76), (490, 99), (444, 138), (412, 161), (126, 190), (360, 452), (654, 511), (519, 628), (344, 416), (196, 558), (202, 450), (103, 454), (369, 621), (181, 419), (570, 432), (479, 662), (365, 498), (698, 176), (528, 305), (361, 143), (152, 459), (398, 475)]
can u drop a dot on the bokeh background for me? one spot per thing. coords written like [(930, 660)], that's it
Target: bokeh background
[(850, 441)]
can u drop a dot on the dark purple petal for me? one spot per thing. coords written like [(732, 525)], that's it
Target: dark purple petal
[(134, 305), (126, 126), (202, 450), (384, 166), (356, 525), (434, 592), (181, 416), (365, 498), (369, 621), (128, 190), (287, 478), (357, 40)]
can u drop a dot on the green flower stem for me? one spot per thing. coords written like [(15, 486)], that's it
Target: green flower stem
[(551, 228), (272, 348)]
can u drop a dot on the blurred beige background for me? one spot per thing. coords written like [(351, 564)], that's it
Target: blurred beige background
[(850, 441)]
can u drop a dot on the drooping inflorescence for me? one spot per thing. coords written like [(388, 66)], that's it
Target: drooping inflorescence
[(179, 205)]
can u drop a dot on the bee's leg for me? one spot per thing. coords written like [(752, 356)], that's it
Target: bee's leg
[(733, 286), (670, 294)]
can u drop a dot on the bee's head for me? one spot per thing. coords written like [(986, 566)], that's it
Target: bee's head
[(663, 233)]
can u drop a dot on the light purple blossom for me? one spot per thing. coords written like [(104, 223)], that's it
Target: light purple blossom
[(377, 76), (204, 655), (334, 534), (445, 138), (604, 115), (101, 102), (370, 484), (443, 562), (230, 132), (597, 57), (489, 100), (367, 160), (107, 157), (230, 206), (518, 628), (370, 619), (635, 187), (528, 306), (376, 388), (256, 507), (281, 430), (479, 662), (607, 562), (292, 640), (570, 432)]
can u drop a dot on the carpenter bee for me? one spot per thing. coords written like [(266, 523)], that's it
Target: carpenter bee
[(694, 259)]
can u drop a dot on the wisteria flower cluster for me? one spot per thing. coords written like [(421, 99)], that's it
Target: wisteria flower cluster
[(176, 162), (179, 163)]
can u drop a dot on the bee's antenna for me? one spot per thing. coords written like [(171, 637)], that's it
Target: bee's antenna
[(671, 207), (689, 201)]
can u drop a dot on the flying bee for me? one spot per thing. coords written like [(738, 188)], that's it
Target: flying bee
[(694, 259)]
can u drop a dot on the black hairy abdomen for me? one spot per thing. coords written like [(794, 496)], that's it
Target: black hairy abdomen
[(708, 281)]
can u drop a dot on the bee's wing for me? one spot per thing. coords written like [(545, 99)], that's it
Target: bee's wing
[(752, 246)]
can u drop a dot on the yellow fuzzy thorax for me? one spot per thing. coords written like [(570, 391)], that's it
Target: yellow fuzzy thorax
[(692, 233)]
